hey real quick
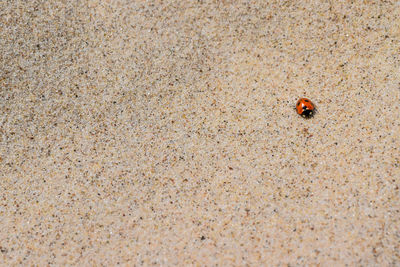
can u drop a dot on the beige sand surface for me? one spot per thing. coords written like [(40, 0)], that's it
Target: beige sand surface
[(164, 133)]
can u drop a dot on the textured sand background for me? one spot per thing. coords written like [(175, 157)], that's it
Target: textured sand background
[(164, 133)]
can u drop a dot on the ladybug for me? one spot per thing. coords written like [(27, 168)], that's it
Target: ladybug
[(305, 108)]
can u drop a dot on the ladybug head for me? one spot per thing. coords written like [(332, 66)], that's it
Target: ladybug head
[(307, 113)]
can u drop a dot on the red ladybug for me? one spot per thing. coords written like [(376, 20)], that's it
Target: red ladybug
[(305, 108)]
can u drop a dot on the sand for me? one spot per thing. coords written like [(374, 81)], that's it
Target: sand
[(164, 133)]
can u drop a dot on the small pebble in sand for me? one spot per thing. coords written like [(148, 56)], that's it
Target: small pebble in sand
[(305, 108)]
